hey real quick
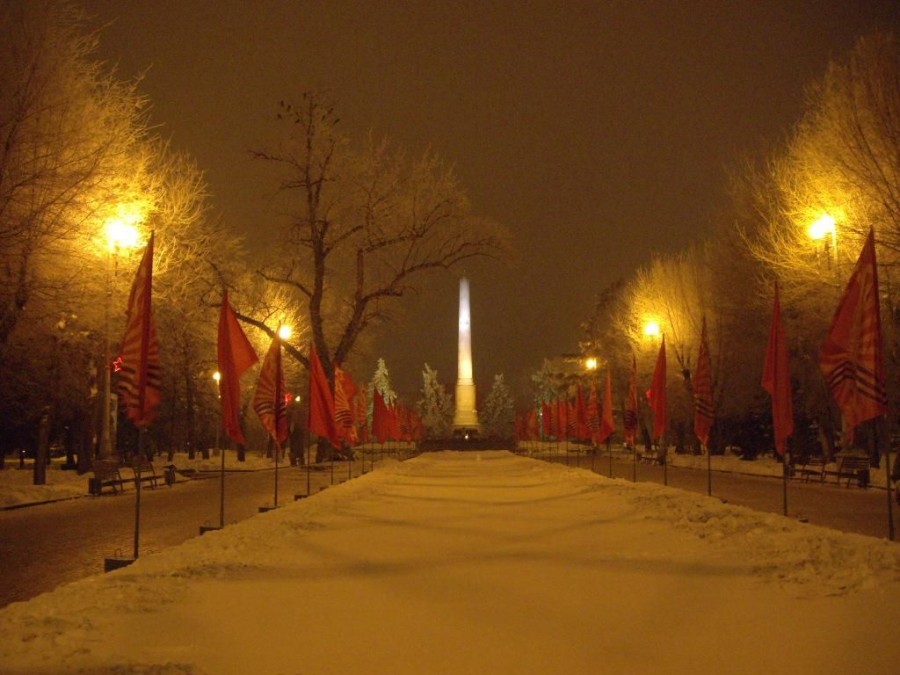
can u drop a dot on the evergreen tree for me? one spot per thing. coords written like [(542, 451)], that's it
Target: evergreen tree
[(381, 382), (436, 405), (499, 414)]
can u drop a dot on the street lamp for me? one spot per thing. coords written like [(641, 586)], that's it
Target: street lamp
[(217, 376), (652, 329), (121, 232), (821, 228)]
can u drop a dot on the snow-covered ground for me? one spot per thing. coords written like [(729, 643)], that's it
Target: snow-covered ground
[(16, 486), (481, 563)]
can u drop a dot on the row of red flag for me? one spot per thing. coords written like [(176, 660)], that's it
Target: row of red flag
[(851, 359), (336, 413)]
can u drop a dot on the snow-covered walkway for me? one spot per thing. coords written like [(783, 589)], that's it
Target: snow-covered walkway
[(482, 563)]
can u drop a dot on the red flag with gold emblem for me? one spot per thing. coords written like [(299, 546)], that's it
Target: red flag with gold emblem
[(852, 356), (140, 376)]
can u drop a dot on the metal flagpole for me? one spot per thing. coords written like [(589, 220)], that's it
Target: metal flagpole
[(609, 450), (785, 465), (137, 492), (221, 481), (665, 466), (634, 463), (308, 467), (276, 471), (887, 477)]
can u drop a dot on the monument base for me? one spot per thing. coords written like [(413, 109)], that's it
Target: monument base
[(462, 444)]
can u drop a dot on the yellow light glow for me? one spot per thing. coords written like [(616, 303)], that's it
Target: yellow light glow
[(822, 227), (284, 332), (122, 227), (120, 234), (590, 363), (651, 329), (217, 376)]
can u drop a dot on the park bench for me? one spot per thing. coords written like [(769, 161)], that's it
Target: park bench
[(106, 475), (147, 471), (851, 467), (651, 457), (812, 466)]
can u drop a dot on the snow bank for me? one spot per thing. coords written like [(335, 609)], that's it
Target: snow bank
[(481, 562)]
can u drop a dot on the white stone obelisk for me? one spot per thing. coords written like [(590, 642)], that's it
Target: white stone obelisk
[(466, 415)]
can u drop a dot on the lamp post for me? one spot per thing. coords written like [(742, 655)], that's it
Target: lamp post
[(120, 233), (590, 365)]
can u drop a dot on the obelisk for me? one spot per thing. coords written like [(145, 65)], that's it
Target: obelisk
[(466, 415)]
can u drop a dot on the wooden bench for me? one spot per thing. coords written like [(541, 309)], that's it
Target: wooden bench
[(106, 475), (809, 467), (144, 468), (651, 457), (851, 467)]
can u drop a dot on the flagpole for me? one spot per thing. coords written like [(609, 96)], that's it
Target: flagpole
[(887, 476), (634, 462), (275, 504), (609, 450), (221, 482), (785, 464), (137, 492), (665, 457), (708, 472)]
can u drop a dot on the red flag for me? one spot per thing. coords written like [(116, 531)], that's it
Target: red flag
[(360, 414), (394, 416), (607, 423), (140, 377), (852, 358), (381, 417), (777, 380), (344, 391), (704, 411), (657, 393), (631, 406), (321, 402), (532, 429), (268, 401), (562, 418), (236, 355), (581, 426)]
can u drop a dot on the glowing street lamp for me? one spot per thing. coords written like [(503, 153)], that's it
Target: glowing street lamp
[(121, 232), (590, 363), (823, 227), (652, 329), (285, 332)]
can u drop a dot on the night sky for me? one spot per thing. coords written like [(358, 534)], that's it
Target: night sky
[(598, 132)]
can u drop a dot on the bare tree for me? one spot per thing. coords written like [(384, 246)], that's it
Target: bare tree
[(363, 227)]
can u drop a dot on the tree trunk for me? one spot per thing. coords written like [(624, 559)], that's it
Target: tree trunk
[(189, 396)]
